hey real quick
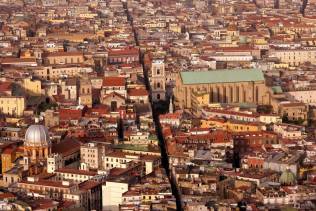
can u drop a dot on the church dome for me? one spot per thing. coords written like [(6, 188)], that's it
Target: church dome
[(37, 136), (287, 178)]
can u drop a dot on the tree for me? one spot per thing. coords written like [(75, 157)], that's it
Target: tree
[(43, 106), (285, 118)]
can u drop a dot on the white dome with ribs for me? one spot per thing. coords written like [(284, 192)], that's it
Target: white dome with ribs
[(37, 136)]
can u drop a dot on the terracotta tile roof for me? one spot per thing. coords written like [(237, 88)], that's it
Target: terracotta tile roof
[(76, 171), (66, 147), (89, 184), (61, 53), (66, 204), (114, 94), (69, 114), (132, 193), (49, 183), (119, 154), (6, 195), (170, 116), (43, 204), (123, 52), (235, 113), (137, 92), (8, 150), (292, 104), (5, 86), (9, 60), (99, 109), (113, 81)]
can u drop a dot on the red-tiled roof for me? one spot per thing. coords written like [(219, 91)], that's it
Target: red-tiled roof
[(8, 150), (70, 114), (6, 195), (5, 86), (113, 81), (113, 94), (170, 116), (49, 183), (10, 60), (222, 111), (44, 204), (75, 171), (137, 92), (61, 53), (124, 51), (66, 204), (66, 147), (100, 110), (89, 184)]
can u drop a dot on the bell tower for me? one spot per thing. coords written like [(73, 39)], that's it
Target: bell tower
[(158, 79)]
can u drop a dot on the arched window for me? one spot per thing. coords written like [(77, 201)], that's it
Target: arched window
[(224, 95), (158, 85), (158, 96), (244, 95), (237, 94), (218, 94)]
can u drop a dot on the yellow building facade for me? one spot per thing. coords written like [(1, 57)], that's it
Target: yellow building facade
[(7, 158), (32, 87), (231, 126), (294, 57), (12, 105)]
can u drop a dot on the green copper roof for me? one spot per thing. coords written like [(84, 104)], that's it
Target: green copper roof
[(277, 89), (221, 76), (287, 178)]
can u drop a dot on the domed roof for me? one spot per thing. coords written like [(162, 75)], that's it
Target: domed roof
[(37, 136), (287, 178)]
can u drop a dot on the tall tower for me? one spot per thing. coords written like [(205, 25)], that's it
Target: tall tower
[(85, 93), (158, 80)]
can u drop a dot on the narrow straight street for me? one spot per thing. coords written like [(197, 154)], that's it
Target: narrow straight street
[(155, 113)]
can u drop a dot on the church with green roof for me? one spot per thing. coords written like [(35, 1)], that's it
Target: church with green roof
[(220, 86)]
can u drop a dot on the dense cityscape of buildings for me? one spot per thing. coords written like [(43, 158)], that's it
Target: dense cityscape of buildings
[(134, 105)]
